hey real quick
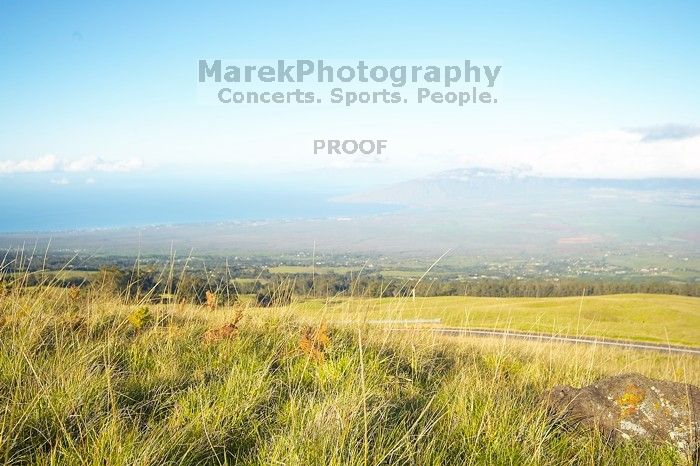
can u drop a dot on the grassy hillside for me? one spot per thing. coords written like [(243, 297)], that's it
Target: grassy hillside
[(89, 380), (644, 317)]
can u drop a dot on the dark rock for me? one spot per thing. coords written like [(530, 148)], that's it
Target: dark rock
[(632, 407)]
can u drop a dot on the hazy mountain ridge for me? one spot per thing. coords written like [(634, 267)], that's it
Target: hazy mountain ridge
[(463, 187)]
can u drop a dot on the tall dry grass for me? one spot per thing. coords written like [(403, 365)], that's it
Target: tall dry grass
[(86, 378)]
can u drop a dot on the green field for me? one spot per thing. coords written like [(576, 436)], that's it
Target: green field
[(87, 378), (643, 317), (296, 269), (61, 274)]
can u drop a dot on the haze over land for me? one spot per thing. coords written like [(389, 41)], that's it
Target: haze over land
[(472, 212)]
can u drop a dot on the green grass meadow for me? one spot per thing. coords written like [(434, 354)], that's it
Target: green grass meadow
[(86, 379), (652, 318)]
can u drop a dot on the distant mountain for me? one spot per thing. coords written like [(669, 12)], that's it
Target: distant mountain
[(465, 187)]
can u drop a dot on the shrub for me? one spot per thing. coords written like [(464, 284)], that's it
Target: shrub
[(140, 317)]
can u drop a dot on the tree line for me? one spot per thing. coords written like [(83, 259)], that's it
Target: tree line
[(272, 290), (378, 286)]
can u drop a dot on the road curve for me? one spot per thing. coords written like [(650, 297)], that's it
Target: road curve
[(464, 332)]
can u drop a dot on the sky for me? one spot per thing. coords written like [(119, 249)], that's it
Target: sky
[(93, 92)]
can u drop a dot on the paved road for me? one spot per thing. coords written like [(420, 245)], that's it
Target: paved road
[(564, 339)]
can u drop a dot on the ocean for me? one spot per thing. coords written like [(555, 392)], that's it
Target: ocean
[(50, 204)]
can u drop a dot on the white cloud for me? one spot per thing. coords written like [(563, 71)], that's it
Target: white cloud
[(60, 181), (96, 164), (668, 131), (611, 154), (657, 151), (53, 164), (47, 163)]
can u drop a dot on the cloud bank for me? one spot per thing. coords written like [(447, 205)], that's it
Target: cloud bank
[(656, 153), (667, 132), (53, 164)]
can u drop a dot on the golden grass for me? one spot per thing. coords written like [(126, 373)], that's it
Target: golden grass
[(85, 386)]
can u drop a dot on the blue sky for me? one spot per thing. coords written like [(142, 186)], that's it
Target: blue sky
[(103, 85)]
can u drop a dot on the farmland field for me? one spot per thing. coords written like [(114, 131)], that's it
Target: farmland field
[(296, 269), (642, 317)]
